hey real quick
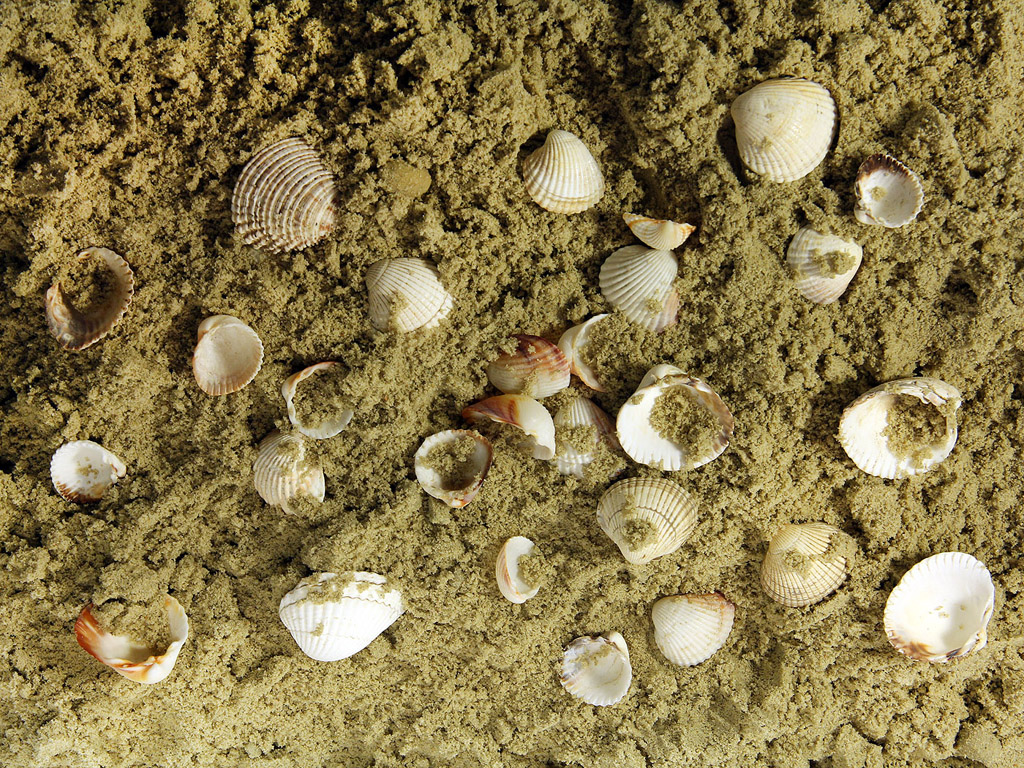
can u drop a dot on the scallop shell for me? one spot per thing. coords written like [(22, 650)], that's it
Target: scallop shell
[(662, 234), (864, 421), (282, 471), (228, 355), (406, 294), (784, 127), (333, 616), (536, 368), (520, 411), (803, 565), (941, 608), (637, 281), (812, 257), (688, 629), (597, 669), (285, 198), (647, 517), (506, 570), (75, 330), (478, 466), (888, 193), (562, 176), (135, 661), (82, 471), (327, 428), (581, 412), (572, 343)]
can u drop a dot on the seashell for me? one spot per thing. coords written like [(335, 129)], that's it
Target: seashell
[(647, 517), (597, 669), (285, 198), (637, 281), (537, 368), (76, 330), (659, 372), (562, 176), (784, 127), (332, 616), (228, 355), (941, 608), (581, 412), (462, 488), (823, 265), (903, 448), (638, 419), (82, 471), (688, 629), (572, 343), (406, 294), (520, 411), (328, 427), (282, 471), (805, 564), (662, 234), (888, 193), (506, 570), (135, 661)]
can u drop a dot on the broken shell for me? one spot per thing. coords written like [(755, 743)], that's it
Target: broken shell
[(688, 629), (888, 193), (328, 427), (228, 355), (460, 486), (282, 472), (562, 176), (572, 343), (135, 661), (637, 281), (647, 517), (581, 413), (520, 411), (75, 330), (902, 448), (823, 265), (406, 294), (662, 234), (941, 608), (597, 669), (784, 127), (805, 563), (510, 583), (82, 471), (285, 198), (333, 616), (536, 368)]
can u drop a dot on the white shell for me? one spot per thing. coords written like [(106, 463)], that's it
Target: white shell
[(75, 330), (661, 512), (328, 427), (581, 412), (784, 127), (520, 411), (888, 193), (506, 570), (688, 629), (811, 256), (941, 608), (637, 281), (536, 368), (333, 616), (662, 234), (281, 471), (597, 669), (477, 468), (572, 343), (802, 565), (228, 355), (406, 294), (562, 176), (82, 471)]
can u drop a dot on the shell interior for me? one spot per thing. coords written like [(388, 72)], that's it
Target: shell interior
[(464, 474), (506, 570), (805, 563), (282, 471), (522, 412), (688, 629), (572, 343), (76, 330), (647, 517), (82, 471), (637, 281), (661, 234), (888, 193), (562, 175), (597, 669), (228, 355), (406, 294), (823, 265), (536, 368), (327, 427)]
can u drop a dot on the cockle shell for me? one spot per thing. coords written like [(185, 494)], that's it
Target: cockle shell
[(888, 193), (597, 669), (647, 517), (135, 661), (784, 127), (332, 616), (285, 198), (662, 234), (406, 294), (472, 473), (823, 265), (805, 563), (75, 330), (228, 355), (581, 412), (506, 570), (637, 281), (328, 427), (688, 629), (941, 608), (520, 411), (282, 471), (82, 471), (536, 368), (864, 422), (572, 343), (562, 176)]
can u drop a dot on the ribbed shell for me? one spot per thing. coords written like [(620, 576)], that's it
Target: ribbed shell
[(536, 368), (661, 234), (562, 176), (688, 629), (807, 246), (888, 193), (816, 578), (522, 412), (637, 281), (75, 330), (597, 669), (281, 471), (406, 294), (581, 412), (663, 504), (82, 471), (228, 355), (506, 570), (430, 480), (572, 343), (328, 427)]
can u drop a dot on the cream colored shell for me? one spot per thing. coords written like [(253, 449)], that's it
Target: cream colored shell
[(888, 193), (328, 427), (506, 570), (478, 466), (282, 471), (562, 176), (536, 368), (572, 343), (688, 629), (522, 412), (647, 517), (76, 330), (228, 355), (809, 255), (82, 471), (597, 669), (661, 234), (805, 563), (406, 294), (637, 281), (581, 412)]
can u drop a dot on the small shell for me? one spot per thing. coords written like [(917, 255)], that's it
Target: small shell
[(506, 570), (572, 343), (647, 517), (135, 661), (784, 127), (597, 669), (471, 473), (688, 629), (562, 176), (328, 427), (82, 471), (75, 330), (333, 616), (805, 563), (888, 193), (662, 234), (581, 412), (406, 294), (823, 265), (637, 281), (285, 198), (863, 427), (520, 411), (941, 608), (228, 355), (282, 471), (537, 368)]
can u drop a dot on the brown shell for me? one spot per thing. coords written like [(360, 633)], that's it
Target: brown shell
[(536, 368), (75, 330)]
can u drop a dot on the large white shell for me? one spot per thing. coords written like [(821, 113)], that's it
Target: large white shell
[(637, 281), (506, 570), (333, 616), (76, 330), (581, 412), (82, 471), (688, 629), (562, 176), (406, 294), (597, 669), (475, 469), (941, 608), (328, 427), (647, 517), (803, 564), (282, 472), (662, 234), (228, 355), (815, 259), (572, 343), (888, 193), (536, 368), (520, 411)]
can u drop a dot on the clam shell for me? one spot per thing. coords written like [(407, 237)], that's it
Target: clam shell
[(506, 570), (75, 330), (285, 198), (328, 428), (406, 294), (597, 669), (333, 616), (562, 176), (784, 127), (520, 411), (688, 629), (662, 234), (581, 412), (647, 517), (813, 258), (82, 471), (802, 566), (888, 193), (941, 608), (572, 343), (862, 427), (537, 368), (228, 355), (637, 281), (475, 471), (281, 471)]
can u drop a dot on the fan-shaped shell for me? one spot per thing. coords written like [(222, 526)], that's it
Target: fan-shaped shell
[(637, 281), (805, 563), (82, 471), (688, 629), (888, 193), (328, 427), (823, 265), (282, 471), (75, 330), (581, 412), (228, 355), (520, 411), (471, 473), (536, 368), (597, 669), (506, 570), (572, 343), (562, 176), (661, 234), (647, 517), (406, 294)]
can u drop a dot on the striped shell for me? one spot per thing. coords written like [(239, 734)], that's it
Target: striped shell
[(888, 193), (406, 294), (282, 472), (82, 471), (562, 176), (520, 411), (688, 629), (572, 343), (328, 427), (637, 281), (805, 563), (581, 412), (536, 368), (597, 669), (817, 261), (662, 234), (647, 517), (472, 472), (75, 330), (228, 355), (506, 570)]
